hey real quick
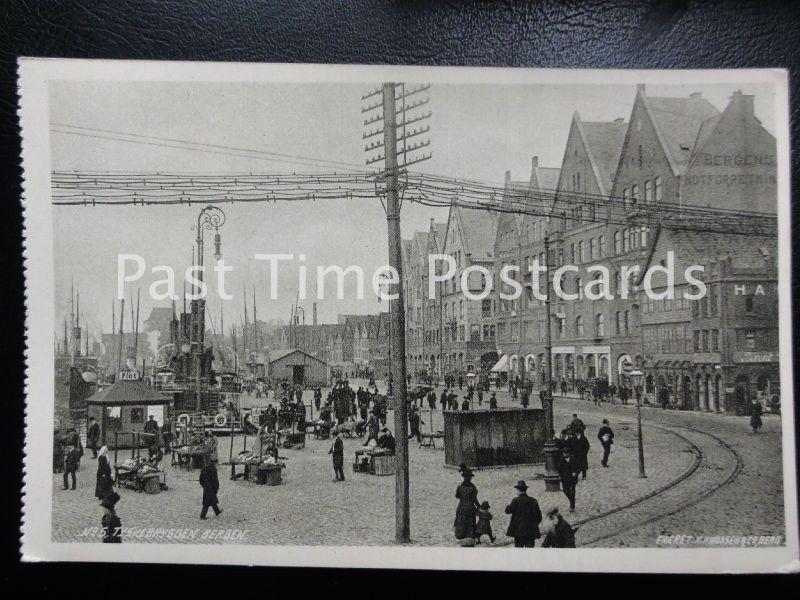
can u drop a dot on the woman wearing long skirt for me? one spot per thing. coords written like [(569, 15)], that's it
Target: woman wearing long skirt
[(105, 482), (468, 505)]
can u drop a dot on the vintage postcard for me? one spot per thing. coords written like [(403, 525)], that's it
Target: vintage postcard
[(404, 317)]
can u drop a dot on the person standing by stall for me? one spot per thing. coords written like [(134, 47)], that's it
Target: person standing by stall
[(209, 481), (93, 436), (337, 450), (210, 445), (105, 482)]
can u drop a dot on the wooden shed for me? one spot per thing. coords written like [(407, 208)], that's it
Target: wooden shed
[(298, 368), (490, 438), (125, 406)]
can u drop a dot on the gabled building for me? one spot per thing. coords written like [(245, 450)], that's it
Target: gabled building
[(590, 338), (716, 352)]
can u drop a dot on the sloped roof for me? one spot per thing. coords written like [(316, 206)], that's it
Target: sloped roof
[(276, 355), (478, 229), (678, 122), (547, 178), (604, 141), (130, 393)]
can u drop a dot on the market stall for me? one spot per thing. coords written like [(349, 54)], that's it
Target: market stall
[(375, 461), (125, 406), (137, 472)]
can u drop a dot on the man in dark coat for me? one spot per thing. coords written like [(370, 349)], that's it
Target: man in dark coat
[(567, 472), (525, 518), (443, 399), (606, 437), (337, 450), (72, 461), (210, 483), (581, 446), (414, 421), (93, 436)]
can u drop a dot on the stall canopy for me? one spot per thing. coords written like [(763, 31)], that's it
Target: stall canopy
[(501, 365), (126, 393)]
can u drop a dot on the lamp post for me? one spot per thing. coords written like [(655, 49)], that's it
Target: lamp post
[(211, 217), (551, 452)]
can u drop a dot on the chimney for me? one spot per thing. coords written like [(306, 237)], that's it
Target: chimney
[(535, 162), (696, 95), (508, 176), (640, 89), (744, 102)]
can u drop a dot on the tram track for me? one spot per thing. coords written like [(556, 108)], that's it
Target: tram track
[(692, 473)]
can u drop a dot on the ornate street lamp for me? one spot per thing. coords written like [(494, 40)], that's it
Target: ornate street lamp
[(211, 217)]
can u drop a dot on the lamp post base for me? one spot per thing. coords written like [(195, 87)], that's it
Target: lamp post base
[(552, 455)]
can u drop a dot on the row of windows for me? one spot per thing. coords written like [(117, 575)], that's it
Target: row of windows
[(706, 340), (653, 192), (668, 339)]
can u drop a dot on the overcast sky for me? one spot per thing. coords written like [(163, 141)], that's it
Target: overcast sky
[(477, 132)]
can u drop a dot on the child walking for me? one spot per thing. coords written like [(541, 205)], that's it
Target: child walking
[(484, 526)]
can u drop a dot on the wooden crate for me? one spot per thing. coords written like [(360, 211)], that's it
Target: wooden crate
[(383, 465), (270, 476)]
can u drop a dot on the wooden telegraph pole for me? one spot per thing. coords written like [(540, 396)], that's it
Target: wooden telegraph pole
[(390, 93)]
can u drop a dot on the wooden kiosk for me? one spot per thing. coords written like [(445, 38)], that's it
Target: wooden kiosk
[(494, 438), (125, 406)]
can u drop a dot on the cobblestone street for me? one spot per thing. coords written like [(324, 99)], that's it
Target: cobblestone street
[(311, 509)]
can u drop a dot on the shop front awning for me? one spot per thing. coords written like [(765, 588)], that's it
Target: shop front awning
[(501, 365)]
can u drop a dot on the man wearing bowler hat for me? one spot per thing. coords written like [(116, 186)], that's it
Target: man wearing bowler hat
[(525, 518)]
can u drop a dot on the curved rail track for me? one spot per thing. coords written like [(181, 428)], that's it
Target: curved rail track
[(677, 504)]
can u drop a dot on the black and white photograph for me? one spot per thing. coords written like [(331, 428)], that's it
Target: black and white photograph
[(505, 319)]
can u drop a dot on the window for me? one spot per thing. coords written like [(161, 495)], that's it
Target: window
[(634, 194), (715, 340), (704, 347), (645, 236), (572, 253), (713, 302), (748, 304), (697, 340), (627, 321), (750, 340), (600, 325), (648, 191), (619, 322), (592, 249), (581, 251), (658, 189), (617, 242), (579, 288), (486, 308), (579, 326), (562, 326), (626, 197)]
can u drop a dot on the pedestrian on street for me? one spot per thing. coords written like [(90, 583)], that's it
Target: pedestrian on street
[(581, 446), (210, 484), (484, 526), (525, 518), (210, 445), (414, 421), (467, 509), (71, 463), (93, 436), (110, 524), (373, 426), (493, 401), (606, 437), (337, 450), (526, 397), (480, 395), (166, 435), (465, 404), (105, 483), (560, 534), (443, 399), (755, 416), (576, 425), (567, 471)]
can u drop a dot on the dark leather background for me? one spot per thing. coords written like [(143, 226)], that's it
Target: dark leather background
[(632, 34)]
